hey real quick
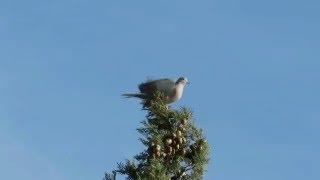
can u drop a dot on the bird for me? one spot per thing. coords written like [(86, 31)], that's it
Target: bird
[(171, 89)]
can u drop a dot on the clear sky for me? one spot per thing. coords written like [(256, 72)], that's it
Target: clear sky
[(254, 68)]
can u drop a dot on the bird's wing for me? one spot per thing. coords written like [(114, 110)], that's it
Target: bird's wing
[(166, 86), (163, 85), (148, 87)]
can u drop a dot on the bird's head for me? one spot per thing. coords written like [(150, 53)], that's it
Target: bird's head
[(182, 80)]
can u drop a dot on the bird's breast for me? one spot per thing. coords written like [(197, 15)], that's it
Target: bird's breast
[(177, 94)]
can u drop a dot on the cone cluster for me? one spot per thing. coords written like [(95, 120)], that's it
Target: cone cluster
[(173, 143)]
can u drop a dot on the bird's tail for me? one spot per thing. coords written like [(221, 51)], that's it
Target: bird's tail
[(137, 95)]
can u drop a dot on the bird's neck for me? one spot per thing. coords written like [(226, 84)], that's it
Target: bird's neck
[(179, 91)]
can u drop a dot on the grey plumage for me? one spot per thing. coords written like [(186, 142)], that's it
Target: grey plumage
[(170, 88)]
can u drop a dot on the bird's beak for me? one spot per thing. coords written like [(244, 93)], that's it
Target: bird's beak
[(188, 83)]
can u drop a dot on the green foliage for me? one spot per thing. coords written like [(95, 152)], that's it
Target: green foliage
[(175, 148)]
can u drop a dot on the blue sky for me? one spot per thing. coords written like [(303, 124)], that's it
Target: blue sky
[(254, 68)]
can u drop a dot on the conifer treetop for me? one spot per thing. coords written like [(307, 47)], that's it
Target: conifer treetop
[(175, 148)]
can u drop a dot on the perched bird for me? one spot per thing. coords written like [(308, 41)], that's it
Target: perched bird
[(171, 89)]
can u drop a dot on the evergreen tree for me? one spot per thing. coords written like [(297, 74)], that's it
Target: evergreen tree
[(175, 148)]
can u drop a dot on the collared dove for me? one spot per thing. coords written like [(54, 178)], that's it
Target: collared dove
[(171, 89)]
